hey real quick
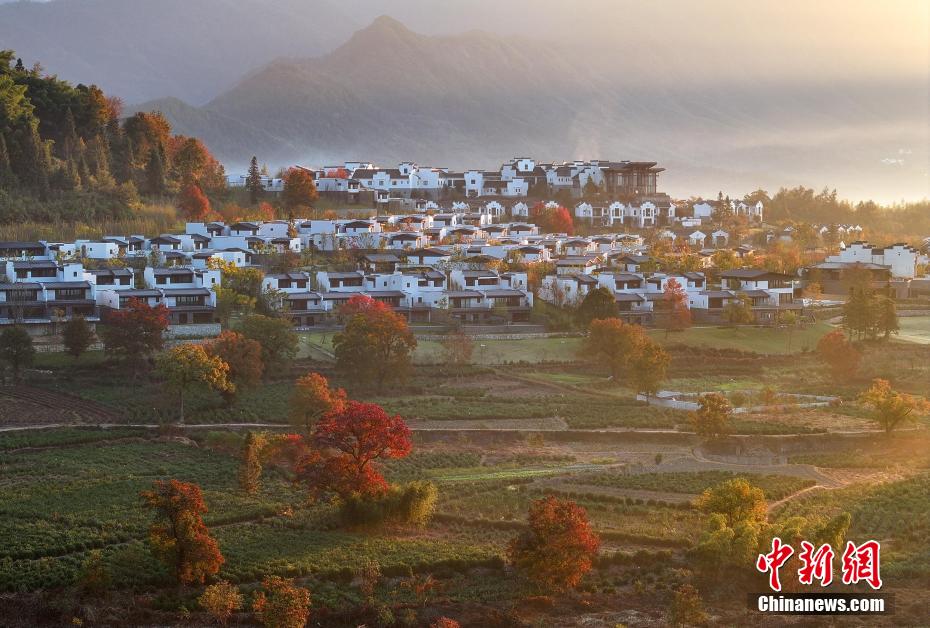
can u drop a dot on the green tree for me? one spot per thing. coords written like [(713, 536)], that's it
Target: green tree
[(275, 335), (77, 336), (739, 311), (155, 173), (253, 182), (597, 304), (250, 465), (16, 349), (886, 316)]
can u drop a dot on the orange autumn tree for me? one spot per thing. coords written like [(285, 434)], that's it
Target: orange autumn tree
[(347, 446), (679, 315), (178, 536), (299, 189), (312, 399), (559, 546), (193, 203)]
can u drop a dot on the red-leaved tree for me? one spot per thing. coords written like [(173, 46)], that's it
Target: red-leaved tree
[(178, 536), (135, 331), (558, 548), (347, 447), (193, 203)]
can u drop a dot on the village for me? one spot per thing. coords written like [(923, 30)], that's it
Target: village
[(482, 260)]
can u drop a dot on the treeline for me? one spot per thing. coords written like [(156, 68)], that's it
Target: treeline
[(803, 204), (66, 154)]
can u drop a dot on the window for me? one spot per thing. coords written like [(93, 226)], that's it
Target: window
[(69, 293), (182, 301)]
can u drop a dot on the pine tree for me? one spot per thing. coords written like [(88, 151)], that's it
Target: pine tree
[(19, 65), (155, 173), (254, 181), (121, 154), (70, 138), (7, 178)]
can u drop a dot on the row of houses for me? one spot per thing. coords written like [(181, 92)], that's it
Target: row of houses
[(519, 177), (641, 297)]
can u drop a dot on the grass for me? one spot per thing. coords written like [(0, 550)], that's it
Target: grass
[(755, 339), (486, 352), (914, 329)]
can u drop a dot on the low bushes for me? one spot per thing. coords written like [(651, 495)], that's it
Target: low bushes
[(412, 503)]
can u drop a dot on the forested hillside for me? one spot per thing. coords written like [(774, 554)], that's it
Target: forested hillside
[(67, 155)]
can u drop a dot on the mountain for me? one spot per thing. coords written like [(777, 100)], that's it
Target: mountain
[(476, 99), (189, 49)]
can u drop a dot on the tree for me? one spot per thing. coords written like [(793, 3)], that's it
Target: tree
[(313, 399), (193, 203), (613, 344), (736, 500), (790, 320), (134, 332), (648, 367), (891, 409), (250, 465), (676, 300), (189, 365), (712, 418), (243, 356), (597, 304), (299, 189), (458, 347), (887, 316), (375, 345), (221, 600), (16, 349), (687, 608), (178, 536), (276, 337), (77, 336), (281, 604), (738, 311), (253, 182), (155, 173), (348, 446), (839, 355), (559, 546)]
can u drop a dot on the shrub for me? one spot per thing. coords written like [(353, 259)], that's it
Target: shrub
[(221, 600), (687, 609), (412, 503), (282, 604)]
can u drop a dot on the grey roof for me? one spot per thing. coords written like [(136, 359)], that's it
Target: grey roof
[(462, 294), (63, 285), (502, 292), (186, 292), (14, 244), (40, 263), (628, 296)]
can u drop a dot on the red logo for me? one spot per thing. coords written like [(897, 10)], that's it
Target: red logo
[(859, 563)]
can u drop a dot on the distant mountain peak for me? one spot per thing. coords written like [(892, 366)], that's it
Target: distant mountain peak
[(384, 30)]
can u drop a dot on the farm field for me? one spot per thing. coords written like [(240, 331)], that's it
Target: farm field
[(493, 437)]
